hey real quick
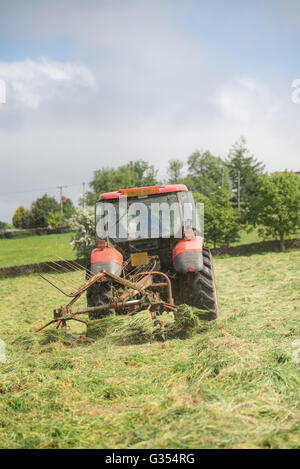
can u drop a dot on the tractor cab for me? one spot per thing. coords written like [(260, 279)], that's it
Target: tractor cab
[(149, 220)]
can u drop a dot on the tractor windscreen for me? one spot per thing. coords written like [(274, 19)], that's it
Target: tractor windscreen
[(131, 218)]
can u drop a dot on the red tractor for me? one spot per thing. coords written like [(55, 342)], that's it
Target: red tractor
[(152, 232)]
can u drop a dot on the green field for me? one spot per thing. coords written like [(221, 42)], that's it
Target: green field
[(232, 385), (41, 248), (34, 248)]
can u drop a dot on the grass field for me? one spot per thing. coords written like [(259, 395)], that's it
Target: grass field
[(40, 248), (35, 248), (232, 385)]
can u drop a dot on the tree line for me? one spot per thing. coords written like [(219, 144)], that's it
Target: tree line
[(236, 192), (45, 211)]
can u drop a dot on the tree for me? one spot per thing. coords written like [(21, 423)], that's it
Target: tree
[(240, 161), (83, 224), (133, 174), (68, 208), (221, 220), (2, 225), (174, 171), (207, 174), (276, 207), (18, 217), (21, 217), (54, 219), (145, 173), (40, 210)]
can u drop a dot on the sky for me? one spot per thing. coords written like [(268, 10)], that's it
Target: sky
[(91, 84)]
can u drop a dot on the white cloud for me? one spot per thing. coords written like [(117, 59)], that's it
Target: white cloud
[(30, 83), (241, 99), (151, 87)]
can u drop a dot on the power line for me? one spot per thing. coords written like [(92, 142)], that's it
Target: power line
[(61, 198), (83, 193), (239, 190), (37, 190)]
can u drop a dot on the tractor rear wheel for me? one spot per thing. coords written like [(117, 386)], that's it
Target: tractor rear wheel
[(203, 288), (97, 295)]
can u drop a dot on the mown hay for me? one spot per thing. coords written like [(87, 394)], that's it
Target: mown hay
[(142, 328), (99, 328), (24, 340), (185, 323), (136, 330), (50, 336)]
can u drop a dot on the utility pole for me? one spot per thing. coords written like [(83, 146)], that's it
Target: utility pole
[(83, 193), (61, 199), (239, 190)]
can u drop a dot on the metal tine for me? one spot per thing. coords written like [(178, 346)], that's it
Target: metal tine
[(58, 271), (72, 262), (55, 286), (62, 267), (68, 284), (80, 267), (59, 281), (73, 266), (89, 274), (71, 284), (88, 271)]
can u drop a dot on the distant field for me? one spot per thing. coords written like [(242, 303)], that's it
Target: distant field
[(35, 248), (252, 237), (248, 238), (233, 385)]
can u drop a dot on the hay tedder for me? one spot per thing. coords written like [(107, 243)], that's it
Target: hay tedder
[(149, 255)]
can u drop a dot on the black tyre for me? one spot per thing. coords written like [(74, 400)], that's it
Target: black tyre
[(97, 295), (203, 288), (206, 253)]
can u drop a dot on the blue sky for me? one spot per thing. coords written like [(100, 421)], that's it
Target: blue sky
[(101, 82), (251, 35), (15, 48)]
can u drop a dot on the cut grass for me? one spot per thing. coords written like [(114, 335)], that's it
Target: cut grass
[(233, 385), (35, 248)]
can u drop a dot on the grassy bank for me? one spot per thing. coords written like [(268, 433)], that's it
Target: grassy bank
[(232, 385), (35, 248)]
